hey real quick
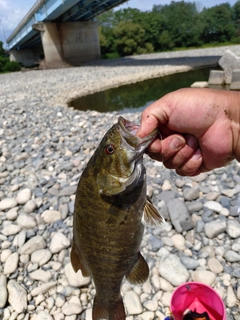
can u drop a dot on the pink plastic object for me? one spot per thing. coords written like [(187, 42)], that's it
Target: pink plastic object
[(197, 296)]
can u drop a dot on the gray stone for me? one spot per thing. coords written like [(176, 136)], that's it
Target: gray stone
[(30, 206), (232, 256), (235, 83), (204, 276), (195, 206), (154, 243), (68, 191), (215, 266), (179, 215), (228, 62), (216, 77), (214, 228), (233, 228), (213, 205), (190, 194), (189, 263), (173, 270), (11, 263)]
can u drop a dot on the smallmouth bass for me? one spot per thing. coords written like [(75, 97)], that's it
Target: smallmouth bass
[(111, 208)]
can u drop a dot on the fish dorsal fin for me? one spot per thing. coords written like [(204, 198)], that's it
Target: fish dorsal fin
[(139, 272), (76, 261), (151, 217)]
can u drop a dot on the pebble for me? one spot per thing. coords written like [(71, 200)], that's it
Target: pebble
[(50, 216), (33, 244), (59, 241), (17, 296), (3, 291), (204, 276), (132, 303), (44, 147), (75, 279), (173, 270), (24, 196), (11, 263), (8, 203), (214, 228)]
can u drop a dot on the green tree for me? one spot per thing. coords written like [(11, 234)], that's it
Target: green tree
[(236, 17), (218, 24), (129, 39), (2, 51)]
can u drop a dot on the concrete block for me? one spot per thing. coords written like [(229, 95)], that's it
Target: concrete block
[(235, 84), (199, 84), (216, 77), (229, 62)]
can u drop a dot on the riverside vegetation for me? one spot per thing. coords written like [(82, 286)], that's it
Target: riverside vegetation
[(5, 64), (167, 27)]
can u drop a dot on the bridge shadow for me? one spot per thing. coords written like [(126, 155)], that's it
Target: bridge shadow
[(147, 60)]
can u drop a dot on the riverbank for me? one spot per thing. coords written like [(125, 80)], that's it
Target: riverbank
[(44, 147), (60, 85)]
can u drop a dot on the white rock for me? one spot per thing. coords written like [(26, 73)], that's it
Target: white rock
[(71, 308), (213, 205), (51, 216), (173, 270), (30, 206), (12, 214), (26, 221), (8, 203), (59, 241), (11, 263), (11, 229), (3, 291), (204, 276), (215, 266), (165, 285), (75, 279), (41, 256), (43, 288), (33, 244), (166, 298), (151, 305), (214, 228), (233, 229), (5, 254), (231, 299), (43, 315), (24, 196), (178, 241), (20, 239), (147, 315), (40, 275), (132, 303), (17, 296)]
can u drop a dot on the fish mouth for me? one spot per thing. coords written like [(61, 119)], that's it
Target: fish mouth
[(129, 130)]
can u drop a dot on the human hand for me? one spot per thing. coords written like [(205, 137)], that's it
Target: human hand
[(199, 127)]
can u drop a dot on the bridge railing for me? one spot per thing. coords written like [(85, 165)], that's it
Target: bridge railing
[(30, 13)]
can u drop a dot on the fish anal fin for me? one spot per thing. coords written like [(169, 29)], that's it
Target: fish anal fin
[(77, 261), (151, 217), (139, 272), (112, 311)]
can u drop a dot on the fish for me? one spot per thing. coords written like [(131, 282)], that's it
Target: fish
[(110, 212)]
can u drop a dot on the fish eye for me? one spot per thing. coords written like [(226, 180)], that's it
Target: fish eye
[(109, 149)]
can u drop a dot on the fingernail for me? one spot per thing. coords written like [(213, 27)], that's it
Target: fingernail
[(191, 141), (197, 154), (176, 143)]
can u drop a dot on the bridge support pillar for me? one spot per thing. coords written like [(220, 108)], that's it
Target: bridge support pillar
[(27, 57), (70, 43)]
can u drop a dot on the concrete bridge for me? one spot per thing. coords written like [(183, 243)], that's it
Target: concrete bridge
[(63, 30)]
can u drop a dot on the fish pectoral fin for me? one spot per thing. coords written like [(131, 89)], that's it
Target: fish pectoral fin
[(76, 261), (151, 217), (139, 272)]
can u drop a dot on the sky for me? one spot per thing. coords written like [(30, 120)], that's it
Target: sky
[(13, 11)]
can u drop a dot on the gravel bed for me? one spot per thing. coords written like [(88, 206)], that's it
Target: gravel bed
[(44, 147)]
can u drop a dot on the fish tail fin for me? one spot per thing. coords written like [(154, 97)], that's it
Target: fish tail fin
[(112, 311)]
